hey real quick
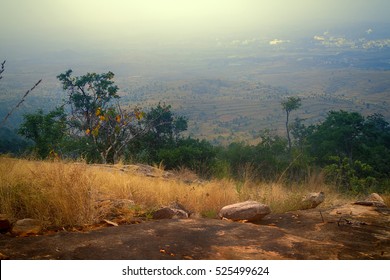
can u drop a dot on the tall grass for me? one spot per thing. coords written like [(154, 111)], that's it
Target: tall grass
[(56, 193), (66, 193)]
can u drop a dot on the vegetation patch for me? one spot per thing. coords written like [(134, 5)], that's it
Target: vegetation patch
[(69, 193)]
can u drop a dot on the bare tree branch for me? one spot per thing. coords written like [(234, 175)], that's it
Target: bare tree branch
[(20, 102), (2, 69)]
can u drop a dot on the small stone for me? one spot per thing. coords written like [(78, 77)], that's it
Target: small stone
[(170, 213), (110, 223), (26, 227), (179, 206), (312, 200)]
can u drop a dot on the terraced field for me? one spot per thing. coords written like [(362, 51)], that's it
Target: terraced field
[(225, 97), (226, 110)]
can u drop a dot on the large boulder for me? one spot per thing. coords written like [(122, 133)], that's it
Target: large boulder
[(250, 211), (26, 227), (373, 199), (312, 200)]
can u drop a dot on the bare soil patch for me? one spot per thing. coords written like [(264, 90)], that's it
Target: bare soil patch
[(345, 232)]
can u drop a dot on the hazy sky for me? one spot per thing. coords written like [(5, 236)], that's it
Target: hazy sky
[(51, 24)]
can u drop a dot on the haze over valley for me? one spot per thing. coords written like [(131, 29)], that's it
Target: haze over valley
[(225, 65)]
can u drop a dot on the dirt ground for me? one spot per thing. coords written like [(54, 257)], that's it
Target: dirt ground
[(345, 232)]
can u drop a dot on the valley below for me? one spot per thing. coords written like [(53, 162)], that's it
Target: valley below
[(229, 92)]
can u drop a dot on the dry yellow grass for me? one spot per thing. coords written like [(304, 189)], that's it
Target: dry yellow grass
[(56, 193), (386, 199), (65, 193)]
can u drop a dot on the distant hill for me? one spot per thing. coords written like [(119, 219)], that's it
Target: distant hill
[(231, 90)]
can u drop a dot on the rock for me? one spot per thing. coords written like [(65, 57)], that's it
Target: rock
[(26, 227), (373, 199), (110, 223), (150, 171), (175, 210), (312, 200), (250, 211), (179, 206), (170, 213), (5, 225)]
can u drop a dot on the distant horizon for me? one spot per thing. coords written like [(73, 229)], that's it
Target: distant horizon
[(327, 47), (43, 26), (367, 31)]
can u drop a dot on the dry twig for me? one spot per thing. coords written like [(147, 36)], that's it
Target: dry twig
[(20, 103)]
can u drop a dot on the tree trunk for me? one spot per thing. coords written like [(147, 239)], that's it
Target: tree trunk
[(288, 131)]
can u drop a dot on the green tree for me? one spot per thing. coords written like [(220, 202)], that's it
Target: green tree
[(354, 150), (341, 134), (351, 176), (165, 125), (376, 146), (272, 156), (95, 115), (265, 161), (11, 142), (288, 105), (164, 132), (46, 130), (239, 156), (300, 133), (88, 96), (194, 154)]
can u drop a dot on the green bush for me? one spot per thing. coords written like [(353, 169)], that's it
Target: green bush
[(356, 177)]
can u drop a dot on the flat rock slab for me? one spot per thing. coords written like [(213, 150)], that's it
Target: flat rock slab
[(348, 232)]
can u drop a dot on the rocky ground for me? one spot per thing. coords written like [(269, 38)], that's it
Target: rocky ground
[(346, 232)]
